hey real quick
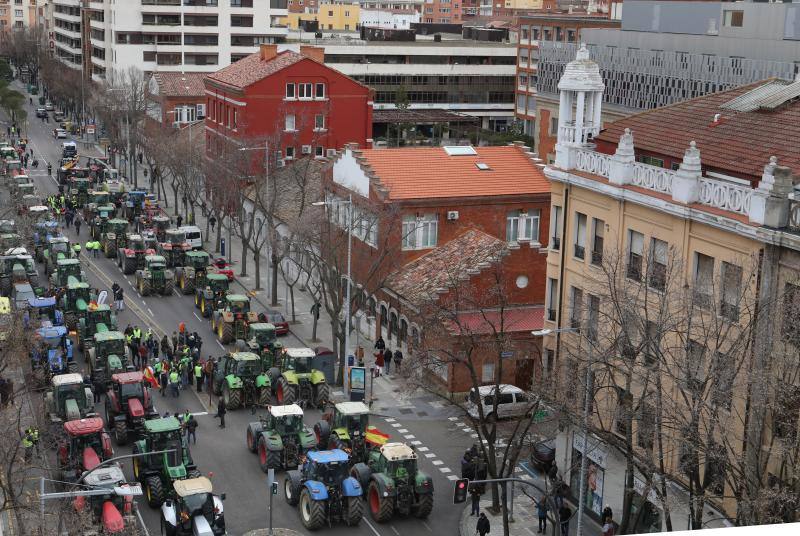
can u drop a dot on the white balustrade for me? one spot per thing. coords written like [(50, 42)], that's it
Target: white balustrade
[(725, 195), (593, 162), (653, 178)]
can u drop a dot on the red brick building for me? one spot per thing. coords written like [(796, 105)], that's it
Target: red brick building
[(290, 101), (177, 98), (485, 208)]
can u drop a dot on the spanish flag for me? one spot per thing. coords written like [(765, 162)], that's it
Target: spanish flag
[(150, 376), (376, 437)]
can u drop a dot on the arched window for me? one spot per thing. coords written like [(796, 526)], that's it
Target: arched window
[(392, 325), (403, 333), (384, 316), (372, 306)]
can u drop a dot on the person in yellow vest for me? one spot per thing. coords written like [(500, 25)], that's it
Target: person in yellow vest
[(27, 444), (198, 376)]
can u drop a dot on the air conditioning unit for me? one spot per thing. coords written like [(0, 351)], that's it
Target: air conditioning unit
[(176, 124), (331, 152), (306, 149), (280, 163), (452, 215)]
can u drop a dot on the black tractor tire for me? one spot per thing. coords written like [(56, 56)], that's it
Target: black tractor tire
[(264, 397), (312, 513), (322, 394), (361, 472), (70, 321), (286, 392), (227, 332), (137, 471), (205, 309), (234, 398), (72, 367), (169, 284), (188, 285), (145, 288), (167, 529), (355, 511), (291, 487), (119, 259), (196, 300), (129, 265), (424, 506), (268, 459), (322, 430), (274, 373), (121, 432), (110, 250), (381, 508), (250, 440), (194, 473), (154, 491)]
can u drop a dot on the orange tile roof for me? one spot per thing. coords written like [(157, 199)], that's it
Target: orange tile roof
[(429, 172), (252, 68), (180, 84), (512, 319), (739, 143)]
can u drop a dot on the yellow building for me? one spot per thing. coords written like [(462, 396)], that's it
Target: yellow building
[(523, 4), (339, 17), (673, 303)]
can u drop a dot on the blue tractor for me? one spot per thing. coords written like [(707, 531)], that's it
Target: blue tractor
[(325, 490), (43, 312), (52, 351)]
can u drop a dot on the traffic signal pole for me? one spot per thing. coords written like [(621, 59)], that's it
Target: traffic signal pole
[(462, 487)]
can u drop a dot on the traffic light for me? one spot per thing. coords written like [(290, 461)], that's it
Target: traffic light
[(274, 488), (460, 491)]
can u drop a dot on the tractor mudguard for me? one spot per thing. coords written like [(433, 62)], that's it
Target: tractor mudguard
[(351, 487), (114, 362), (87, 392), (385, 484), (317, 377), (176, 473), (262, 380), (290, 376), (234, 382), (227, 316), (169, 514), (119, 418), (342, 434), (423, 484), (317, 490), (274, 441), (307, 440)]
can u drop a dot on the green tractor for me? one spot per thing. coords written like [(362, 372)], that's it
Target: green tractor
[(58, 248), (158, 472), (64, 269), (233, 320), (98, 220), (280, 439), (109, 355), (17, 269), (9, 241), (295, 380), (211, 296), (69, 398), (98, 318), (394, 483), (346, 426), (241, 380), (154, 278), (75, 302), (114, 236), (79, 190), (263, 342), (192, 274)]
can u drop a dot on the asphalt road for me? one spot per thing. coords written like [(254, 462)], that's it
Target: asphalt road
[(441, 441)]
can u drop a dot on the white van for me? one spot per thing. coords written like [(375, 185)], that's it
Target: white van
[(513, 402), (193, 236)]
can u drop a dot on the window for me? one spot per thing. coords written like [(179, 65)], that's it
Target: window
[(552, 300), (731, 291), (575, 306), (487, 375), (592, 316), (290, 91), (652, 343), (635, 249), (304, 91), (598, 227), (330, 13), (646, 427), (786, 412), (290, 122), (555, 225), (319, 91), (553, 126), (420, 232), (623, 413), (724, 373), (790, 328), (703, 280), (657, 278), (289, 153), (522, 226), (549, 358), (346, 13), (733, 19), (695, 370), (650, 161), (319, 150), (319, 122), (580, 235), (233, 118)]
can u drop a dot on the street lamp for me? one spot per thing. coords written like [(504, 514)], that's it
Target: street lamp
[(586, 406), (349, 204)]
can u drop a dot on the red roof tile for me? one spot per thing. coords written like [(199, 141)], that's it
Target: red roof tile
[(252, 68), (739, 143), (510, 320), (429, 172), (180, 84)]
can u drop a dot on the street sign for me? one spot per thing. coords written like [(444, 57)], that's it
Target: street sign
[(506, 354), (90, 129)]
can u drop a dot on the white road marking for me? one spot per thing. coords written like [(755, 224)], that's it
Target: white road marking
[(394, 529), (402, 431), (423, 449), (150, 311), (462, 424), (428, 526), (200, 413), (397, 425), (437, 462), (452, 477), (197, 317), (389, 419), (415, 443), (220, 345), (445, 470), (452, 419), (473, 436), (409, 436), (371, 527), (430, 455)]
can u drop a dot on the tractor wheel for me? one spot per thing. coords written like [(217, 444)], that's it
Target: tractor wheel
[(144, 286), (194, 473), (424, 506), (121, 432), (355, 511), (286, 393), (213, 323), (196, 301), (226, 332), (205, 310), (312, 513), (264, 397), (361, 472), (70, 321), (109, 250), (169, 284), (72, 367), (154, 491), (137, 470), (167, 529), (322, 394), (250, 438), (119, 259), (291, 490), (322, 431), (188, 286), (232, 397), (381, 508), (268, 459), (129, 265)]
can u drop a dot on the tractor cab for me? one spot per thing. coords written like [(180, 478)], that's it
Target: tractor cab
[(9, 241), (195, 509), (128, 386), (166, 434), (298, 360), (75, 301), (66, 268), (79, 190), (43, 311), (238, 304), (69, 398), (327, 466), (26, 189), (134, 203), (52, 349), (286, 420), (108, 356), (218, 284), (38, 214), (199, 260), (118, 226), (86, 446), (160, 224), (352, 416), (128, 405), (42, 230), (97, 198), (97, 315), (111, 508), (263, 341), (132, 256), (58, 244), (174, 247)]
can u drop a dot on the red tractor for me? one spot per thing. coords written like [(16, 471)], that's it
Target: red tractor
[(85, 446), (222, 267), (131, 257), (173, 247), (128, 405), (114, 507)]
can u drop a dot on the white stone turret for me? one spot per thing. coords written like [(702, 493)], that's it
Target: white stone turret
[(581, 91)]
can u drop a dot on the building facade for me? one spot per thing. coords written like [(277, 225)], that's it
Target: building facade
[(329, 16), (680, 213), (288, 100), (177, 98), (22, 14)]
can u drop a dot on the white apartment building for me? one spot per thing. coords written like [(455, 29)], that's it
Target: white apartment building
[(388, 18), (164, 35)]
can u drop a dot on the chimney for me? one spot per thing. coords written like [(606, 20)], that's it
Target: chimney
[(315, 53), (268, 52)]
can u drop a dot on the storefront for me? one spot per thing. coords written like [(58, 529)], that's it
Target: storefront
[(597, 456), (649, 520)]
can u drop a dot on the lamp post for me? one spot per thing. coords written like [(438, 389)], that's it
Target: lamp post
[(349, 204), (585, 424)]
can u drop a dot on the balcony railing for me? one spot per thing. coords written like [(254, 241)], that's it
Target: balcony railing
[(593, 162), (725, 195), (653, 178)]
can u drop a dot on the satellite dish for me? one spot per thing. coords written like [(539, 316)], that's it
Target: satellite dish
[(101, 298)]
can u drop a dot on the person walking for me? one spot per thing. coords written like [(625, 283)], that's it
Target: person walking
[(398, 359), (476, 501), (483, 527), (198, 376), (174, 383), (119, 296), (541, 513), (212, 221), (142, 356), (163, 379), (387, 359), (27, 444), (209, 373), (564, 513), (179, 220), (221, 411), (191, 430), (77, 223), (609, 527), (378, 363), (380, 345)]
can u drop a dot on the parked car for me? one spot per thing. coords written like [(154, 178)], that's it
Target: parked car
[(58, 116), (49, 107), (59, 133), (277, 319), (41, 112), (512, 402)]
